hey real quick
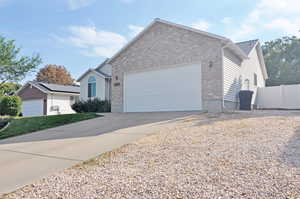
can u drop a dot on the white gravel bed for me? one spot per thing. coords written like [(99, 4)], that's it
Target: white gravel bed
[(238, 155)]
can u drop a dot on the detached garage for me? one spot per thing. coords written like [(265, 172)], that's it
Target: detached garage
[(47, 99), (33, 107)]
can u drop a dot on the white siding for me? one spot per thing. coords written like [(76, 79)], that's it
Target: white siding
[(232, 76), (100, 87), (249, 67), (235, 74), (62, 101)]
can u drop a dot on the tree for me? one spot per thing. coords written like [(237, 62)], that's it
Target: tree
[(10, 105), (8, 88), (282, 58), (55, 75), (14, 67)]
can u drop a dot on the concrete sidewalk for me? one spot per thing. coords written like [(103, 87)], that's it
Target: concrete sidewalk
[(25, 159)]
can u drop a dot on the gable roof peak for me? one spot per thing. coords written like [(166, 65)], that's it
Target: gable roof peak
[(224, 40), (247, 46), (102, 64), (191, 29)]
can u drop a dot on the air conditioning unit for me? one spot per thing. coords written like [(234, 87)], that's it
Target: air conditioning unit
[(54, 108)]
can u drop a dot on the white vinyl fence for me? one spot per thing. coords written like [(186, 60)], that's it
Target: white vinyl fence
[(279, 97)]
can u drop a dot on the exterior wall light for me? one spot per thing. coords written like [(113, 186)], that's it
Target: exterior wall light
[(210, 65)]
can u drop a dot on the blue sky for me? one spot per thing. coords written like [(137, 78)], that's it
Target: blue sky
[(80, 34)]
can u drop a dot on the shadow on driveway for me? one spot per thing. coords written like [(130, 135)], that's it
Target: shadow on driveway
[(93, 127)]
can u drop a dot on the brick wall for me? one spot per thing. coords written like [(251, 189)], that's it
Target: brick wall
[(166, 46)]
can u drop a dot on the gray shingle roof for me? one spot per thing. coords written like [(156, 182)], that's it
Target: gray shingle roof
[(102, 73), (247, 46), (96, 70), (58, 88), (102, 64)]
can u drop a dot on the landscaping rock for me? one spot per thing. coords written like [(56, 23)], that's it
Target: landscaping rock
[(238, 155)]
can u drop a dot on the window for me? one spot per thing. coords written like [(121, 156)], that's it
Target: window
[(247, 84), (255, 79), (92, 87)]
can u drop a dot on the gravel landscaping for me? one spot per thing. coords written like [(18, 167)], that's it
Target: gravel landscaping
[(232, 155)]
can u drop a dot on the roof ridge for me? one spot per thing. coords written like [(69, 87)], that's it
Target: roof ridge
[(102, 64), (53, 84), (247, 41), (103, 73), (223, 39), (191, 28)]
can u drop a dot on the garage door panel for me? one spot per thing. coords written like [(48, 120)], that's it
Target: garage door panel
[(33, 107), (173, 89)]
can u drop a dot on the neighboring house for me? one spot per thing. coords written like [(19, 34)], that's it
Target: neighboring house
[(247, 74), (47, 99), (171, 67), (96, 83)]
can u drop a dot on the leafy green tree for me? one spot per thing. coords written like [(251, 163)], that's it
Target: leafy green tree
[(8, 88), (282, 58), (13, 66)]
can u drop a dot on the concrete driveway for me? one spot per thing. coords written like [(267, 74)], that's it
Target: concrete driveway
[(25, 159)]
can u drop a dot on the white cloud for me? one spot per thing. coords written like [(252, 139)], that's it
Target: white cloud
[(201, 25), (273, 8), (279, 6), (244, 31), (76, 4), (135, 30), (93, 42), (3, 2), (289, 27), (226, 20), (279, 16), (254, 16)]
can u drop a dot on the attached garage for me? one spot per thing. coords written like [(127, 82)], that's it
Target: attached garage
[(172, 67), (166, 89), (33, 107)]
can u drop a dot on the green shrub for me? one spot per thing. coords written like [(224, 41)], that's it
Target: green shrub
[(92, 106), (10, 105)]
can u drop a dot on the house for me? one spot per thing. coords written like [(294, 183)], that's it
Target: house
[(96, 83), (172, 67), (47, 99)]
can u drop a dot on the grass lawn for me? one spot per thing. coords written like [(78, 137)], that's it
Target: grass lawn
[(23, 125)]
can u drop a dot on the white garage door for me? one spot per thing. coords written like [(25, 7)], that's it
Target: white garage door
[(33, 107), (172, 89)]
